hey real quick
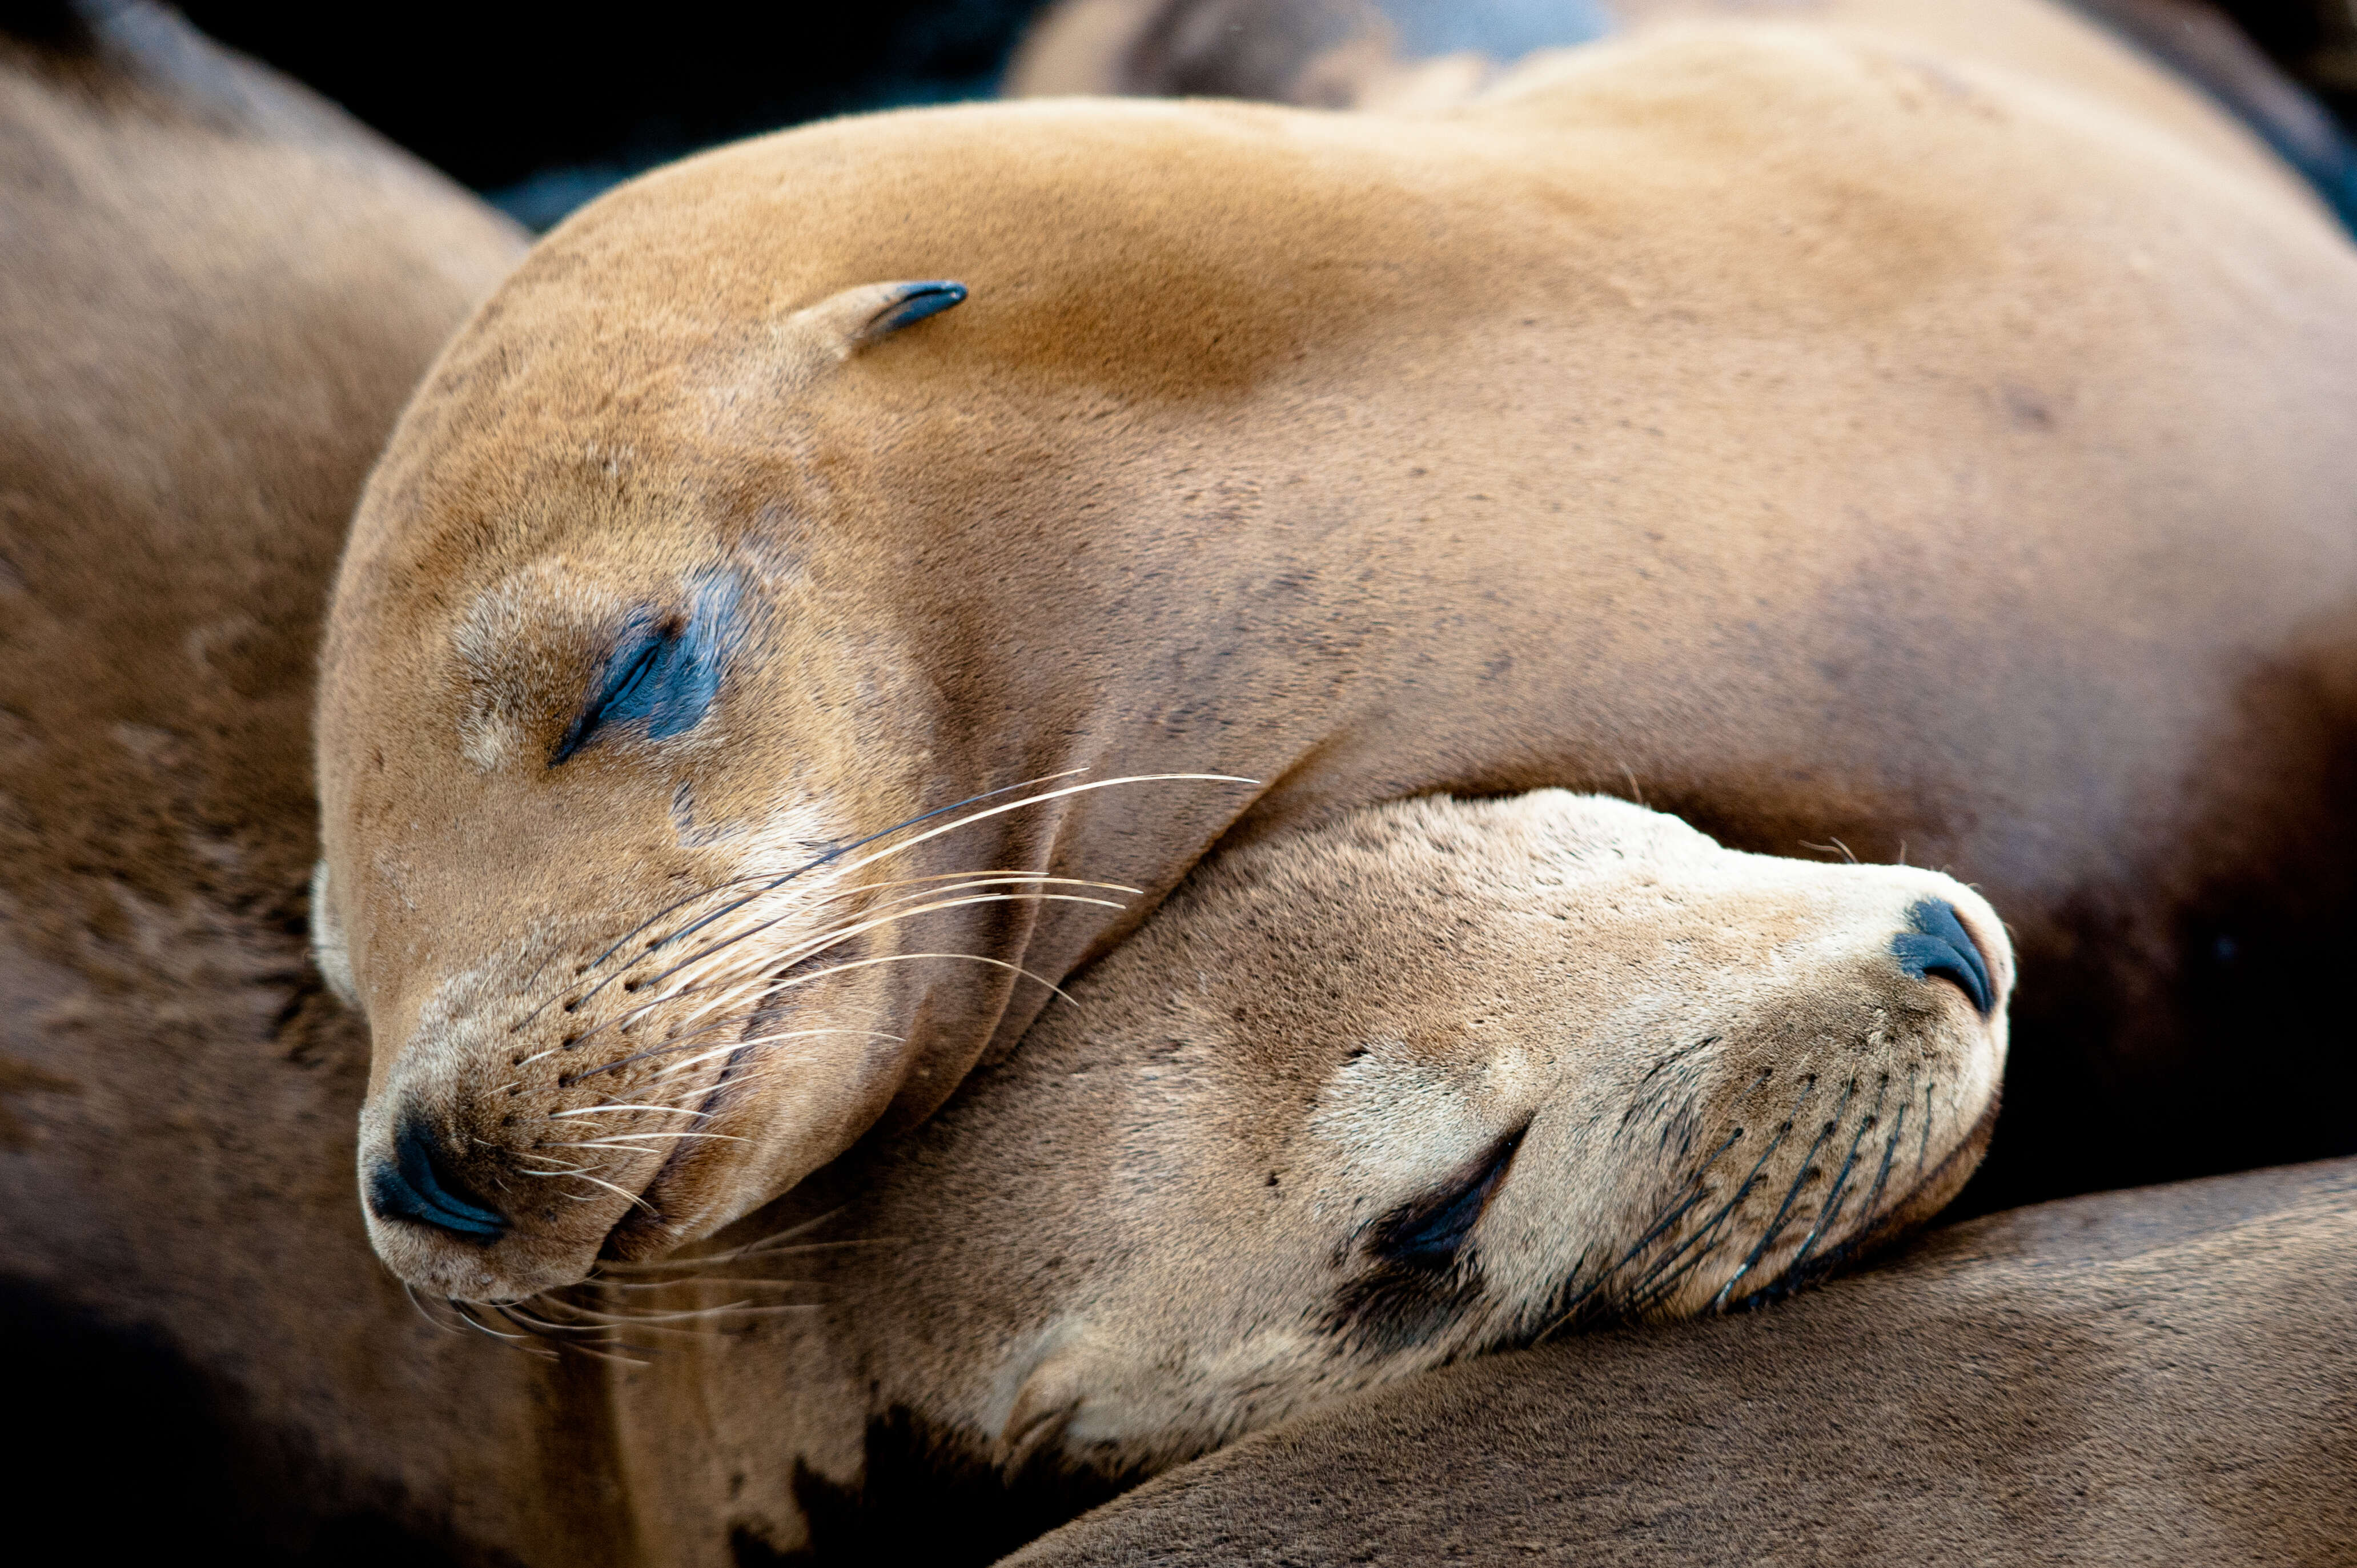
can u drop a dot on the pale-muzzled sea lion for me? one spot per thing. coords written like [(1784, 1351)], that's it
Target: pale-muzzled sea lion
[(2158, 1375), (1930, 443), (1435, 1079)]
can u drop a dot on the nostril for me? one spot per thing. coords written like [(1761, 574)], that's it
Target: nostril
[(414, 1186), (1936, 943)]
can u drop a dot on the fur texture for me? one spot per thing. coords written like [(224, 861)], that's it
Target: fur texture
[(1437, 1079), (218, 293), (2160, 1376), (1927, 436)]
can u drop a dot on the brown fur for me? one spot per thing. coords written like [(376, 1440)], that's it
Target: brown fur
[(218, 292), (2162, 1376), (1930, 438), (179, 1088)]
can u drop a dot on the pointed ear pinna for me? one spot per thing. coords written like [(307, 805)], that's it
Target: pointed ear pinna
[(857, 317)]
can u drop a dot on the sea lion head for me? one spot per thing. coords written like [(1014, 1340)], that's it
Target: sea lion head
[(602, 755), (1442, 1077), (710, 551)]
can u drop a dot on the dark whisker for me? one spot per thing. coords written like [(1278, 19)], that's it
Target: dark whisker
[(1828, 1210), (1783, 1210)]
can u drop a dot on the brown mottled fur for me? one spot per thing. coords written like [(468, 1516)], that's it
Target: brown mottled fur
[(217, 293), (1932, 436), (2163, 1376)]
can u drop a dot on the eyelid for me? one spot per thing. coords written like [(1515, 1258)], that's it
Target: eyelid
[(664, 669), (624, 669), (1431, 1228)]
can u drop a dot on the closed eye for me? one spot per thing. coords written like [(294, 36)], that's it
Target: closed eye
[(665, 674), (1430, 1229)]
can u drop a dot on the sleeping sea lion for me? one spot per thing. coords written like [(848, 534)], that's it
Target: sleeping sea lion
[(2157, 1376), (1431, 1079), (1835, 436)]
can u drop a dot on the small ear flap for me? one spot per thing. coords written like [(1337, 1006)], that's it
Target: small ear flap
[(849, 321), (1043, 1407)]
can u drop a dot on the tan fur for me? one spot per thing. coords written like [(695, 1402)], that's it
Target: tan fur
[(1160, 1224), (2161, 1376), (179, 1090), (1330, 1022), (1861, 435), (1323, 1028)]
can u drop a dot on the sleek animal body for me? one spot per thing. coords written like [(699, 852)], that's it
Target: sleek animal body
[(217, 293), (1642, 1076), (1925, 437), (2158, 1375)]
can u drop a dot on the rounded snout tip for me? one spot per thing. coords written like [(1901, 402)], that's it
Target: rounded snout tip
[(441, 1234), (1938, 945), (412, 1186)]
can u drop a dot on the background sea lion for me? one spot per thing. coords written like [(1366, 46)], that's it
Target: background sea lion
[(218, 292), (1838, 439), (2160, 1376), (1392, 53)]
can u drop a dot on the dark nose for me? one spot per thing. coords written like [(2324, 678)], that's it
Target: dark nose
[(1935, 942), (413, 1186)]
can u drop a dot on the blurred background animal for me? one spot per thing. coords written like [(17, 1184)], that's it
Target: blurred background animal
[(217, 291)]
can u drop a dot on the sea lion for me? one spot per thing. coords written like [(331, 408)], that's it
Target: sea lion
[(236, 285), (1836, 438), (1390, 54), (1431, 1079), (2156, 1376), (218, 292)]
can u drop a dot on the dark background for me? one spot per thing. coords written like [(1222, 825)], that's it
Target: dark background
[(541, 107)]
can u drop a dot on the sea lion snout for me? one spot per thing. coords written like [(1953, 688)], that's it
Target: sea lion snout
[(1937, 944), (413, 1184)]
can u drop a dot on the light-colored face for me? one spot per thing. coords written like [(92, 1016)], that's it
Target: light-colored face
[(1442, 1078), (603, 755)]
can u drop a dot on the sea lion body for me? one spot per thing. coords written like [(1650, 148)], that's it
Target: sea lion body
[(1409, 54), (218, 292), (1832, 442), (2155, 1376)]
